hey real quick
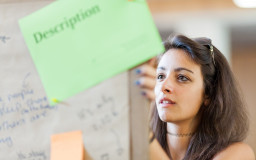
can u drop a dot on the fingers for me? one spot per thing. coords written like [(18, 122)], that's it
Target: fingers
[(146, 79), (148, 93), (146, 82), (146, 70)]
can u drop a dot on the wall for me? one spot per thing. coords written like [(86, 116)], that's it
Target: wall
[(244, 65)]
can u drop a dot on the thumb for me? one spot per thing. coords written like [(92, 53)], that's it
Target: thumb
[(152, 62)]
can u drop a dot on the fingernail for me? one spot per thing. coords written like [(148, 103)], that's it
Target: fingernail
[(137, 71), (137, 83), (143, 93)]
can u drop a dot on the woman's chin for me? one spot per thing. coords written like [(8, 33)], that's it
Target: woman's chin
[(164, 118)]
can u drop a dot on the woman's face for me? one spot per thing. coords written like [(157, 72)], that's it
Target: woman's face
[(179, 88)]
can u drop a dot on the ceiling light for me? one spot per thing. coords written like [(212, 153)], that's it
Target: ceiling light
[(245, 3)]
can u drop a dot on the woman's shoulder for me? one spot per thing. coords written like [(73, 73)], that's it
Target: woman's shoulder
[(236, 151)]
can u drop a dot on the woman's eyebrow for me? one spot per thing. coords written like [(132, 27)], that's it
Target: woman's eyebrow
[(181, 68), (161, 68)]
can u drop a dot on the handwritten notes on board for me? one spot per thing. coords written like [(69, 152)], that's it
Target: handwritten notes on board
[(78, 44), (27, 121), (4, 39)]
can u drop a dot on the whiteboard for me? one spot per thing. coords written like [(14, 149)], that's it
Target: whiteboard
[(26, 119)]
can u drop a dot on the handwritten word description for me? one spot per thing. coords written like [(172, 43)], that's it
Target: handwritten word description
[(27, 121)]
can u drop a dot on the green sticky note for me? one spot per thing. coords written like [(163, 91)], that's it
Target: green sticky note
[(78, 44)]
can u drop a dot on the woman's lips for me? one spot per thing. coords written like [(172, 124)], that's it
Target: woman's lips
[(165, 102)]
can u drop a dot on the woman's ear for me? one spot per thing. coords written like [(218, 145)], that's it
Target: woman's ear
[(206, 101)]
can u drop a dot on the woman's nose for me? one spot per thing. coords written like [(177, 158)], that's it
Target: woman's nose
[(167, 90), (166, 86)]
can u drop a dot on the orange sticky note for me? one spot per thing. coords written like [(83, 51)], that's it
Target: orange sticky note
[(67, 146)]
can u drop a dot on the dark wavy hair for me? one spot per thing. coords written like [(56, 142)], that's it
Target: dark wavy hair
[(224, 119)]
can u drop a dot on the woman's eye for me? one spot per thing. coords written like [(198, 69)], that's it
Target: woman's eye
[(160, 76), (183, 78)]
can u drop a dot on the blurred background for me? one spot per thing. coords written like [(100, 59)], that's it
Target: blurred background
[(232, 29)]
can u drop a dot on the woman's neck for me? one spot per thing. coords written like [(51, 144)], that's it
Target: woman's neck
[(178, 138), (177, 146)]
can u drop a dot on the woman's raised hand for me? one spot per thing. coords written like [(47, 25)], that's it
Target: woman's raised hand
[(147, 78)]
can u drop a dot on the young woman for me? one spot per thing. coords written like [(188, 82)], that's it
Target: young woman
[(199, 114)]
